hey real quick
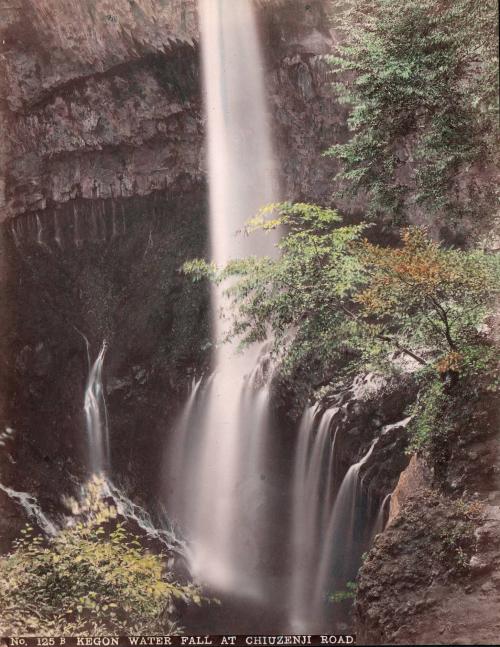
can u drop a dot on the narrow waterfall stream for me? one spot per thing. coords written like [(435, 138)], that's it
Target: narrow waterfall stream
[(382, 515), (312, 498), (32, 509), (219, 491), (96, 417), (331, 522), (340, 551)]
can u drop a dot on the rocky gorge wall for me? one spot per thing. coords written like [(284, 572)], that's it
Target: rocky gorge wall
[(103, 196), (432, 577), (103, 114)]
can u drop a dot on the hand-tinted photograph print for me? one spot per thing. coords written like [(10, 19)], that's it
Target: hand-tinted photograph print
[(249, 292)]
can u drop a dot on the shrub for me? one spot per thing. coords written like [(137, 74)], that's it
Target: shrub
[(94, 577)]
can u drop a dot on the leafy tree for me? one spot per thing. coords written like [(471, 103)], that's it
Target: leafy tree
[(332, 297), (421, 80), (298, 296), (93, 578), (427, 296)]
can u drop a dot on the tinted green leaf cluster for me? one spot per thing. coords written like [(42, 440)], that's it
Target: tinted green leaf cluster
[(93, 578), (421, 81), (330, 296)]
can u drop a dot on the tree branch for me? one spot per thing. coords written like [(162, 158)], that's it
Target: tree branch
[(390, 340)]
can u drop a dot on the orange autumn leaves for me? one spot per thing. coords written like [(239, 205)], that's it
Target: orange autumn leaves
[(421, 281), (419, 270)]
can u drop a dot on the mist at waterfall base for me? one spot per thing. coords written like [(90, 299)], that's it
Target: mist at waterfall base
[(265, 531)]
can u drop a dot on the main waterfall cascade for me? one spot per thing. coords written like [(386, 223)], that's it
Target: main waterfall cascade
[(217, 497), (220, 460)]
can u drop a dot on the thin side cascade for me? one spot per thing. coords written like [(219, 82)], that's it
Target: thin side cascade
[(134, 512), (221, 486), (33, 510), (180, 452), (340, 554), (381, 520), (312, 501), (96, 416)]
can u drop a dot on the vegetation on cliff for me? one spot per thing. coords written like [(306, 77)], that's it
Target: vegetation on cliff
[(333, 295), (421, 82), (93, 578)]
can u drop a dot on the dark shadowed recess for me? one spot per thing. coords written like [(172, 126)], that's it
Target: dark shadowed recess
[(110, 273)]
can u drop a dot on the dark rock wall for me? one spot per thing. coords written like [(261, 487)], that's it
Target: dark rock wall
[(103, 196), (433, 576)]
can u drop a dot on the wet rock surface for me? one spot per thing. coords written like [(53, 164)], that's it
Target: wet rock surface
[(428, 580), (373, 409)]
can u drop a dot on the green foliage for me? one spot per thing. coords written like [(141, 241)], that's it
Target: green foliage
[(93, 578), (443, 409), (298, 296), (333, 297), (421, 82), (349, 593), (430, 415), (428, 296)]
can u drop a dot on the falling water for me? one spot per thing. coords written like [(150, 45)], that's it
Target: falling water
[(381, 521), (33, 510), (96, 417), (312, 483), (137, 514), (222, 513), (342, 542), (57, 230), (39, 231), (328, 531), (183, 446), (15, 233)]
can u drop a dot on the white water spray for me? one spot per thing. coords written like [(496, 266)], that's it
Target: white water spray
[(138, 515), (339, 550), (381, 520), (96, 415), (312, 501), (33, 510), (222, 512)]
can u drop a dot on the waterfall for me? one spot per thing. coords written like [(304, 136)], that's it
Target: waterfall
[(221, 487), (343, 541), (135, 513), (96, 417), (181, 450), (381, 520), (30, 505), (312, 502), (57, 230), (328, 531), (39, 231)]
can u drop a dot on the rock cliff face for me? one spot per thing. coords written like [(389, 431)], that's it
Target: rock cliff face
[(102, 111), (433, 576), (102, 198)]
